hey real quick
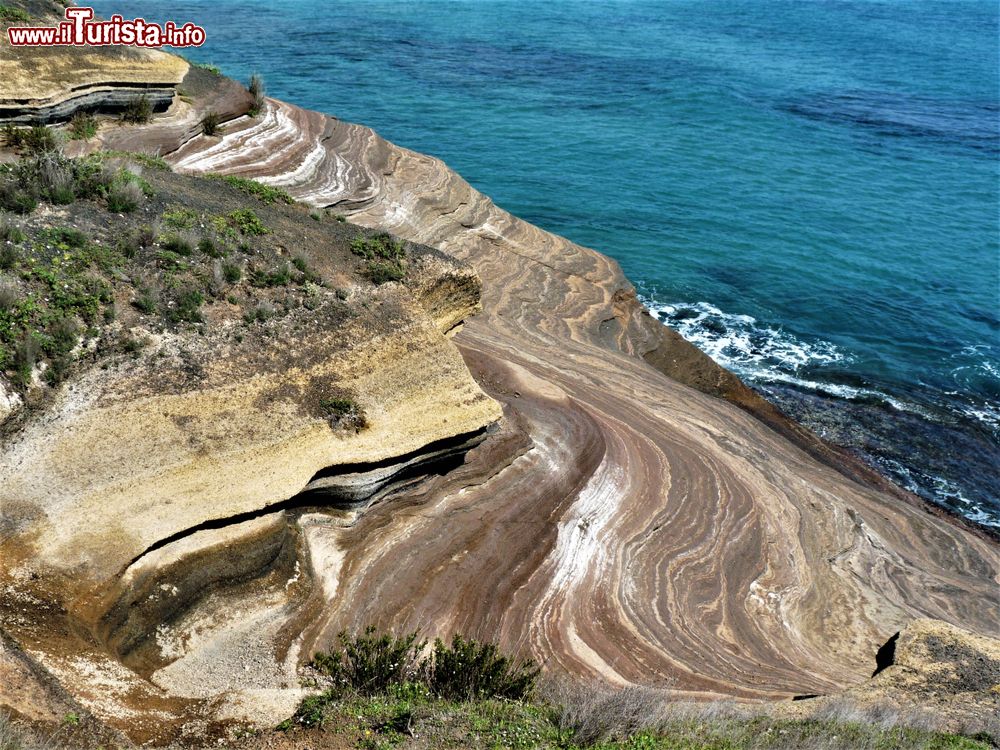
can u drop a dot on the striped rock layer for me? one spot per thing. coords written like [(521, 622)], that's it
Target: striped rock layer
[(621, 524)]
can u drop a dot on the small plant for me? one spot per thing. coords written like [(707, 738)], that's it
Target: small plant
[(83, 126), (147, 301), (231, 272), (17, 199), (370, 663), (152, 161), (25, 356), (186, 308), (210, 123), (182, 243), (124, 198), (316, 216), (341, 218), (383, 271), (10, 294), (261, 312), (11, 233), (8, 257), (278, 276), (138, 110), (256, 89), (208, 246)]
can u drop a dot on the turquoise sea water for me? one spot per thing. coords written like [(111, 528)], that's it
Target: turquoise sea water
[(807, 190)]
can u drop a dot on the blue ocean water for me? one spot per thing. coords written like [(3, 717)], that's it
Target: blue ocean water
[(807, 190)]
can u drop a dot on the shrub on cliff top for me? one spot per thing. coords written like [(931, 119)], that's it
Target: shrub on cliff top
[(385, 256)]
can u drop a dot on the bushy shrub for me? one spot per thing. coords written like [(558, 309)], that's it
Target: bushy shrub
[(280, 275), (138, 110), (10, 233), (186, 307), (83, 126), (17, 198), (37, 139), (231, 272), (466, 670), (371, 663), (259, 313), (10, 294), (124, 197), (182, 243), (460, 671)]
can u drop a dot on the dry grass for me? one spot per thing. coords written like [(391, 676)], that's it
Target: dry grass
[(598, 715)]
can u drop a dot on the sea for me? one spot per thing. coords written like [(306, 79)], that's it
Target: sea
[(808, 191)]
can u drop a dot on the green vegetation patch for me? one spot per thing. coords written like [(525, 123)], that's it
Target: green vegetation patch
[(385, 257), (260, 191), (13, 15)]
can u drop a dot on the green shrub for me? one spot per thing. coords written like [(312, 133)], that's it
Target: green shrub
[(8, 257), (124, 198), (467, 670), (180, 218), (261, 312), (385, 257), (147, 160), (83, 126), (13, 15), (278, 276), (11, 233), (147, 301), (260, 191), (370, 663), (17, 199), (138, 110), (208, 246), (10, 294), (383, 271), (25, 357), (247, 222), (186, 307), (210, 123), (36, 139), (181, 243), (231, 272)]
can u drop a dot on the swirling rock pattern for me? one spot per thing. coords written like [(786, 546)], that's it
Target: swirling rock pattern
[(621, 524)]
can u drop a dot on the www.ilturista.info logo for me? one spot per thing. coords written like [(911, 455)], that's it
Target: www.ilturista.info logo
[(80, 30)]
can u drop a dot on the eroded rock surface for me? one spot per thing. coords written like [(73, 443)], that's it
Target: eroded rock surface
[(617, 522)]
